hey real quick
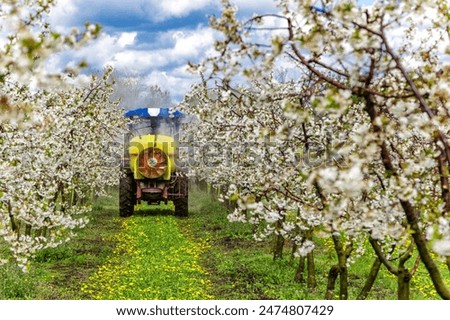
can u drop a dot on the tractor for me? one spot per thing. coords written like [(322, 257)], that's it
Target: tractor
[(151, 172)]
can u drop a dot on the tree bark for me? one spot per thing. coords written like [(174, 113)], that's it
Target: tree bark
[(278, 248), (370, 279), (299, 273), (332, 277), (425, 255), (311, 282), (343, 283), (403, 284), (294, 249), (28, 229), (279, 241), (342, 256), (14, 226)]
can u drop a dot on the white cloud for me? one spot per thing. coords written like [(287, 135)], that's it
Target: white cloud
[(137, 62), (179, 8), (192, 44), (262, 6), (127, 39), (188, 45), (74, 12), (98, 53)]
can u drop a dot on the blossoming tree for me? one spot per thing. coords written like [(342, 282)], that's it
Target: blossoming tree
[(55, 136), (353, 145)]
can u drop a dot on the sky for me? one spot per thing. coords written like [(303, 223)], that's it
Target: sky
[(151, 39)]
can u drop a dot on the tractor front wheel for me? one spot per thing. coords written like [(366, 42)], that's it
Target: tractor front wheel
[(127, 195)]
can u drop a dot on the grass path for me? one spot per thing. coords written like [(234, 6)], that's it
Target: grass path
[(153, 259)]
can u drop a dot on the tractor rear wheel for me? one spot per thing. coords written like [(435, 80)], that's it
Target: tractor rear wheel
[(181, 204), (127, 195)]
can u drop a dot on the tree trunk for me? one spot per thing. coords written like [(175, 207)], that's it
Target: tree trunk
[(278, 247), (74, 198), (300, 270), (343, 283), (14, 226), (370, 280), (202, 185), (342, 256), (294, 249), (312, 283), (28, 228), (332, 277), (403, 284), (279, 241)]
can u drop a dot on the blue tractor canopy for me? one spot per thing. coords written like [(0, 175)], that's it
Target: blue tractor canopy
[(147, 113), (162, 121)]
